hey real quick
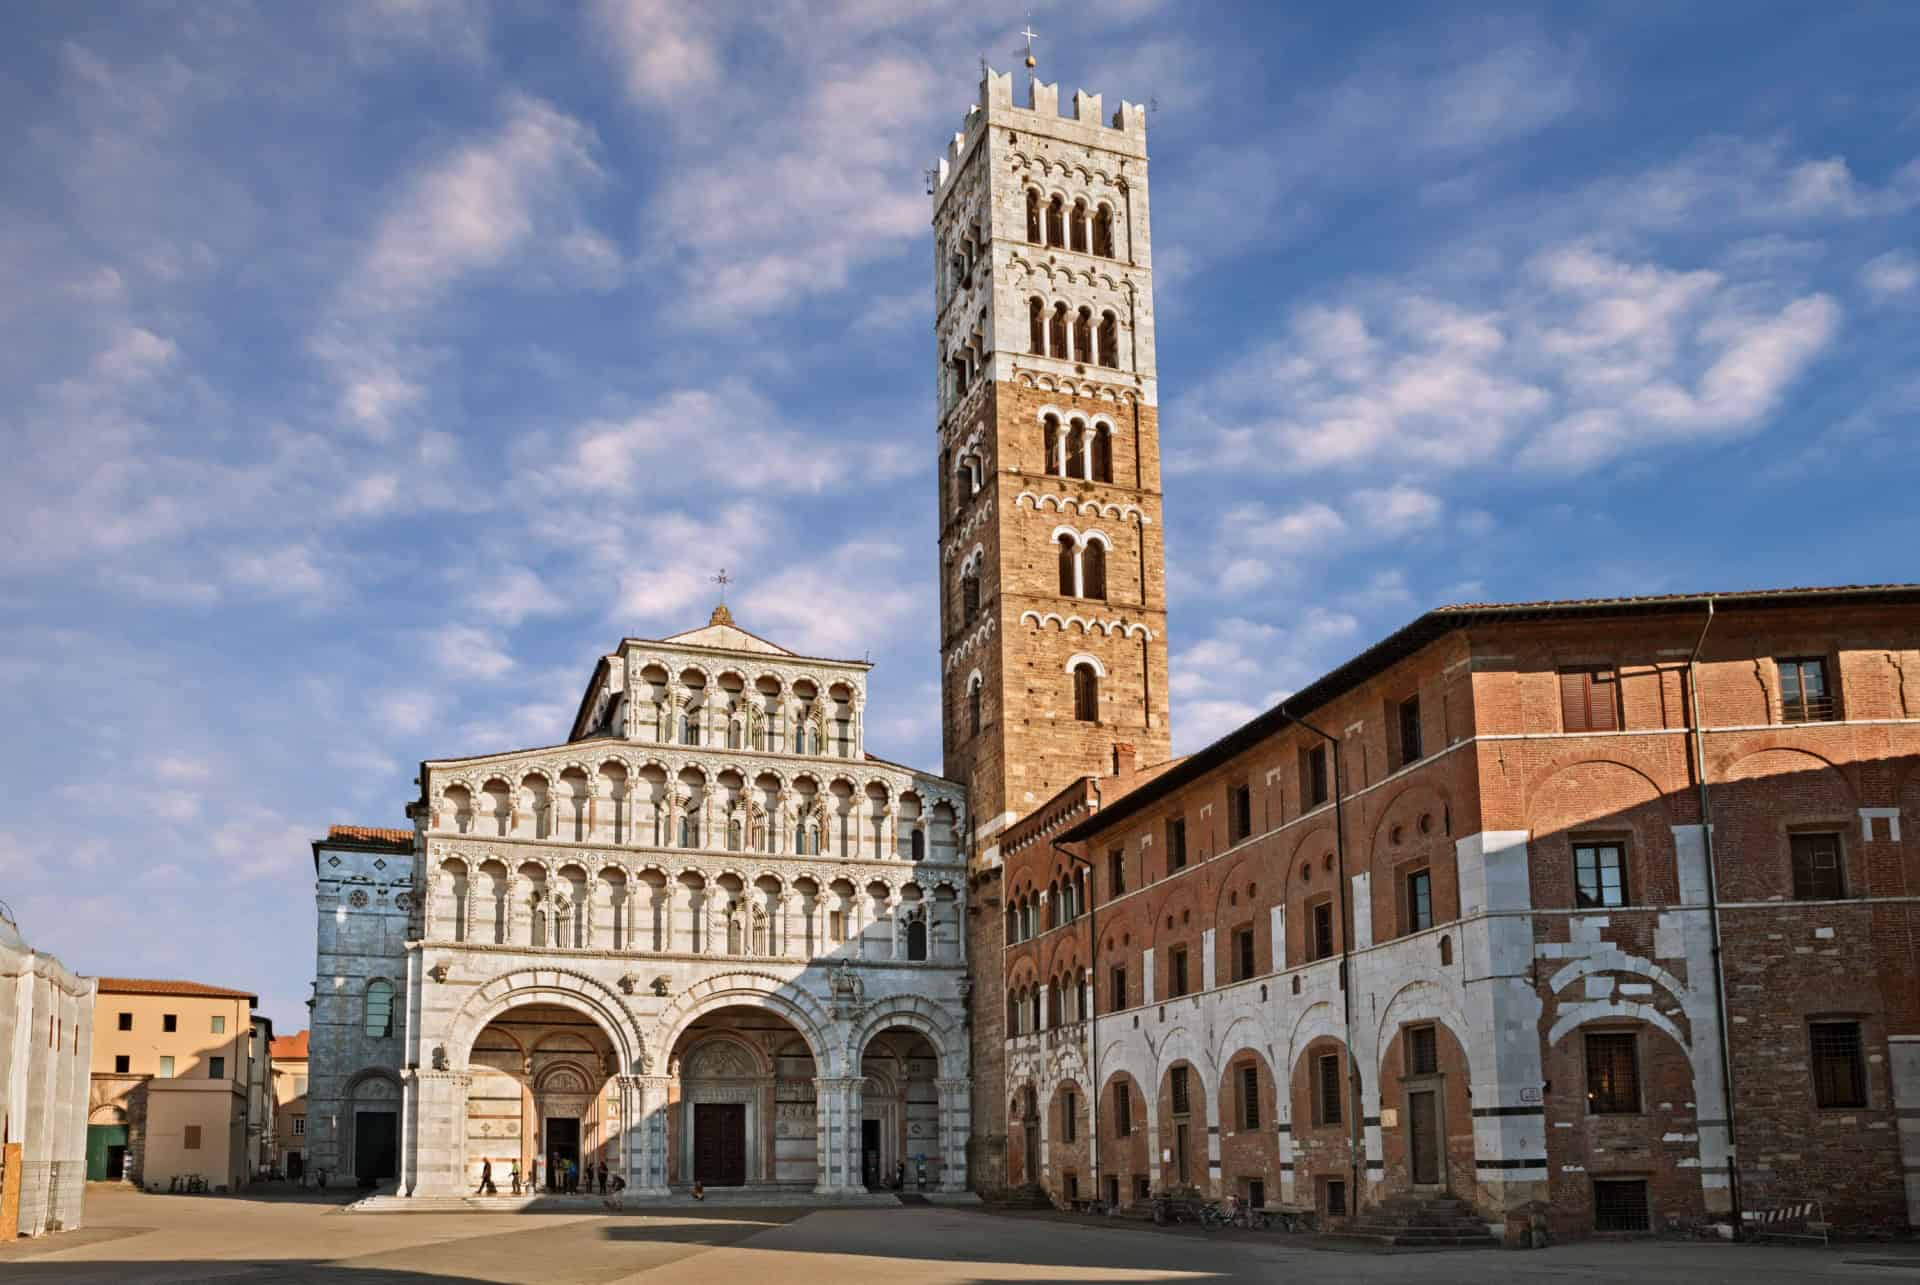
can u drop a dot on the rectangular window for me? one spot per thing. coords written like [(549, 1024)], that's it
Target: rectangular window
[(299, 1125), (1122, 1110), (1243, 960), (121, 1064), (1419, 900), (837, 926), (1313, 775), (1816, 867), (166, 1068), (1804, 697), (1620, 1204), (1589, 699), (1117, 981), (126, 1021), (1613, 1073), (1327, 1089), (170, 1022), (220, 1026), (1409, 730), (216, 1068), (1177, 1079), (1176, 844), (1239, 812), (1116, 873), (1177, 969), (1423, 1050), (1839, 1068), (1069, 1121), (1323, 930), (1599, 874), (192, 1140), (1250, 1096)]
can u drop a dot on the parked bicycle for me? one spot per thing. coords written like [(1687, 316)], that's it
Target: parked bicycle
[(1214, 1214)]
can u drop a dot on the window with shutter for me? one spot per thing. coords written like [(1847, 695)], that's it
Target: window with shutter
[(1178, 1090), (1839, 1071), (1423, 1051), (1816, 867), (1329, 1087), (1122, 1109), (1250, 1096), (1590, 699)]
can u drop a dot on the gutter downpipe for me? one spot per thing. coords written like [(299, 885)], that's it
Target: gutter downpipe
[(1713, 918), (1356, 1109), (1093, 1000)]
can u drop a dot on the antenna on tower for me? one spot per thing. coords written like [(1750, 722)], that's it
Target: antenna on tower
[(932, 175), (1153, 102)]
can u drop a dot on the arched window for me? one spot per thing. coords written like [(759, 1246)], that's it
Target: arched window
[(1083, 336), (973, 707), (1057, 222), (1037, 327), (1053, 1003), (969, 596), (1102, 453), (959, 378), (690, 728), (1077, 450), (733, 733), (1053, 905), (1057, 334), (379, 1009), (1103, 232), (689, 831), (916, 939), (1033, 215), (733, 836), (1069, 561), (1109, 340), (962, 485), (918, 844), (1013, 924), (1050, 440), (1086, 693), (1080, 226), (1093, 570)]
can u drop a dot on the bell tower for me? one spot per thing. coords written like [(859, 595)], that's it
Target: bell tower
[(1053, 645)]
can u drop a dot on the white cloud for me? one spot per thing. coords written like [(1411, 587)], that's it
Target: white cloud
[(405, 713), (662, 47), (511, 593), (291, 571), (1396, 511), (464, 651), (788, 608), (1896, 272), (135, 354), (1246, 666)]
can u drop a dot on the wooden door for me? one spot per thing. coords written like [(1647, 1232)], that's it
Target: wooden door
[(720, 1143), (1423, 1136)]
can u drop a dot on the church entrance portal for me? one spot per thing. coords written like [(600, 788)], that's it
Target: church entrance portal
[(563, 1147), (720, 1144), (541, 1093), (376, 1149)]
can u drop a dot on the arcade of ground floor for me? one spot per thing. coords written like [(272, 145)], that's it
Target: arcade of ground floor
[(137, 1237)]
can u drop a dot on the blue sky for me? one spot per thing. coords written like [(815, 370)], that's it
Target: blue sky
[(372, 368)]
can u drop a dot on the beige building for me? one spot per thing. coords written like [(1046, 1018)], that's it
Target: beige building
[(289, 1054), (177, 1089)]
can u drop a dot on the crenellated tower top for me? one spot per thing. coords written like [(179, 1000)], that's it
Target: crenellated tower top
[(1125, 132)]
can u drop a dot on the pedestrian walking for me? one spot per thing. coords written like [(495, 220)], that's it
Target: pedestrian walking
[(514, 1174), (533, 1177), (486, 1180), (603, 1177), (618, 1200)]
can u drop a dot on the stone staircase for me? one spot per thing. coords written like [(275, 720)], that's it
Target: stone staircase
[(1027, 1196), (1412, 1222)]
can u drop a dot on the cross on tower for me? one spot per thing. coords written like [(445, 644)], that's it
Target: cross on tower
[(723, 580)]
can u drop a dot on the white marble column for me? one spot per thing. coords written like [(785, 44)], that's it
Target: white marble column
[(956, 1110), (438, 1105), (837, 1114)]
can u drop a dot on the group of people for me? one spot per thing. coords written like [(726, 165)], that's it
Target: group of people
[(564, 1175)]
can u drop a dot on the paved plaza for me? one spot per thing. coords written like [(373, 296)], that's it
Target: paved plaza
[(136, 1237)]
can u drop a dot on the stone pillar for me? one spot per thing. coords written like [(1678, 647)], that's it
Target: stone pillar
[(893, 927), (837, 1124), (956, 1126), (679, 917), (784, 925), (1499, 1002), (519, 922), (1214, 1095), (585, 911), (644, 1145), (437, 1104)]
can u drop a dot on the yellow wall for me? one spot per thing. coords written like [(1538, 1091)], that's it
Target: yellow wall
[(219, 1108)]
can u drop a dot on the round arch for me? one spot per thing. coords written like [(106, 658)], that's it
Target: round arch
[(576, 991), (920, 1015), (751, 990)]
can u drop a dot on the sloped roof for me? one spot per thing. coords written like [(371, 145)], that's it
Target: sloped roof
[(289, 1048), (372, 834), (720, 632), (1442, 621), (165, 986)]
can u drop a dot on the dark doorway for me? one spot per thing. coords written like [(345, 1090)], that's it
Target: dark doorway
[(103, 1141), (720, 1143), (296, 1166), (1033, 1151), (376, 1151), (563, 1143), (116, 1163), (1423, 1136), (870, 1152)]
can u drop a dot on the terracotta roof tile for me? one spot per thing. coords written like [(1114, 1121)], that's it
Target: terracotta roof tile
[(291, 1048), (372, 834), (165, 986)]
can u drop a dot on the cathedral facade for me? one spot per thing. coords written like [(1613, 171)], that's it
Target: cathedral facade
[(707, 938)]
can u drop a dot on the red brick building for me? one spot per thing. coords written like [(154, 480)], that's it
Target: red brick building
[(1448, 919)]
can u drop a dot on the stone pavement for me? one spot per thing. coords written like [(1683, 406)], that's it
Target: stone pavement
[(134, 1237)]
